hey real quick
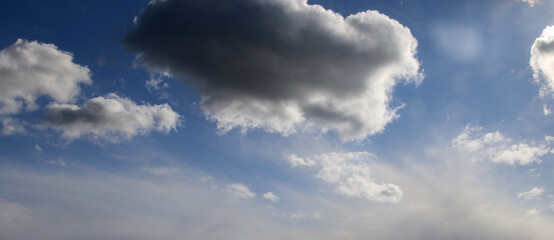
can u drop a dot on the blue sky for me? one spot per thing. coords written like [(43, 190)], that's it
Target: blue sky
[(253, 119)]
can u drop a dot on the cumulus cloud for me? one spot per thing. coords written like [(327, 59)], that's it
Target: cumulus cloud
[(496, 147), (271, 196), (352, 176), (280, 65), (240, 190), (110, 117), (531, 194), (542, 60), (30, 70)]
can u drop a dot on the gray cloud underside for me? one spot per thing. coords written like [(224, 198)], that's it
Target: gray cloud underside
[(111, 117), (280, 64)]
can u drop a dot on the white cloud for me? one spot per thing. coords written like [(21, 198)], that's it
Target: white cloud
[(298, 215), (296, 161), (96, 204), (161, 171), (531, 194), (59, 162), (546, 110), (302, 65), (156, 84), (111, 117), (271, 196), (542, 60), (530, 2), (101, 205), (29, 70), (352, 176), (497, 148), (532, 212), (37, 149), (11, 126), (240, 191)]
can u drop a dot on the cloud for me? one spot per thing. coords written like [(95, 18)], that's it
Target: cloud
[(457, 41), (530, 2), (30, 70), (96, 204), (155, 84), (37, 149), (497, 148), (271, 196), (542, 60), (280, 65), (105, 204), (59, 162), (161, 171), (11, 126), (296, 161), (531, 194), (240, 191), (111, 117), (352, 176)]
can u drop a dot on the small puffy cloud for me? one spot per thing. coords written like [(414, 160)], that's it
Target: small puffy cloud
[(240, 191), (497, 148), (352, 176), (296, 161), (280, 65), (29, 70), (111, 117), (271, 196), (161, 171), (542, 60), (531, 194)]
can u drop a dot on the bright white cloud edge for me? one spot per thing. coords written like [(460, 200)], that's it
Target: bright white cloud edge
[(30, 70)]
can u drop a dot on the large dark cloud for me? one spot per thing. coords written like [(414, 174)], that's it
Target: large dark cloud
[(279, 64)]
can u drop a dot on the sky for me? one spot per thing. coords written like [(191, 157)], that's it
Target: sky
[(281, 119)]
